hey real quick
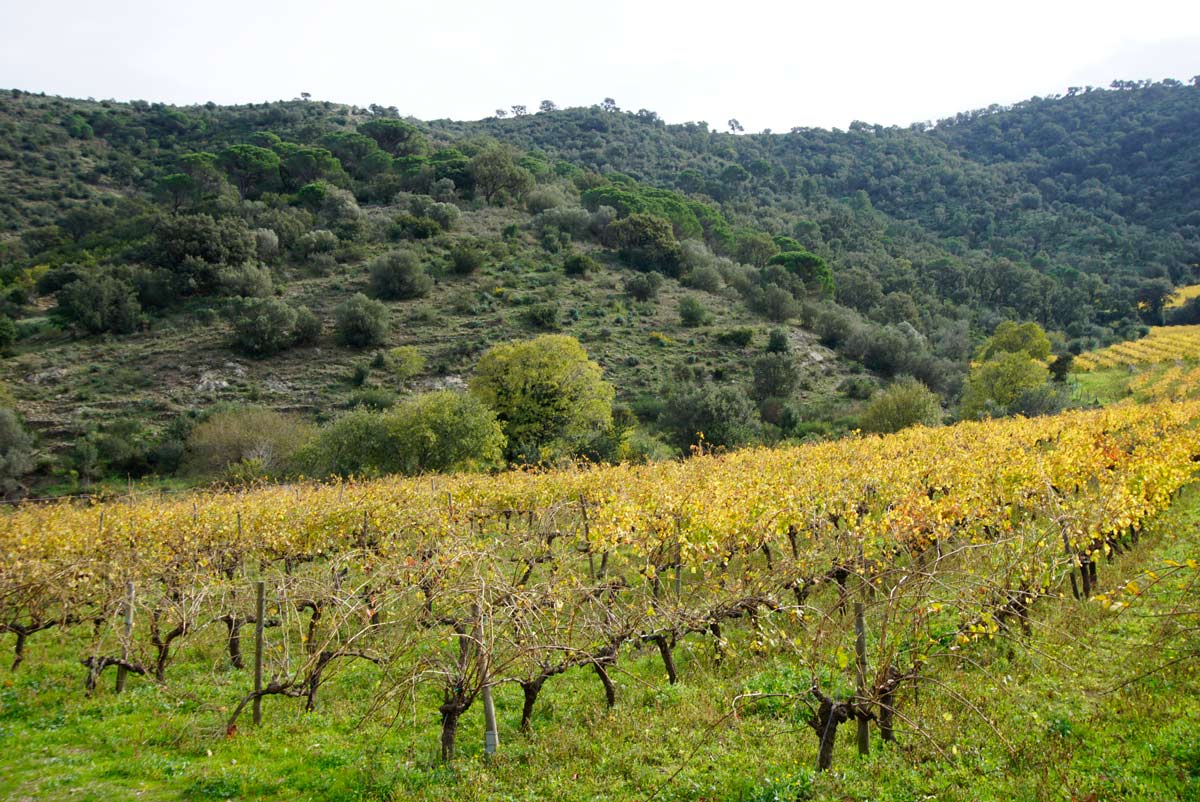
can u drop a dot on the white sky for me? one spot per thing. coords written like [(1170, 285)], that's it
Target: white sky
[(769, 64)]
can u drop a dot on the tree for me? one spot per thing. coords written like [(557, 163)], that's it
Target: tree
[(906, 402), (995, 385), (647, 242), (99, 304), (610, 105), (547, 106), (399, 275), (300, 165), (1013, 338), (16, 452), (246, 436), (735, 127), (394, 136), (265, 326), (438, 431), (550, 398), (810, 268), (775, 376), (8, 333), (755, 247), (720, 416), (251, 168), (692, 312), (519, 111), (360, 321), (494, 172)]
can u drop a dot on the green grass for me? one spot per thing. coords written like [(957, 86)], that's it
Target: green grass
[(1061, 717), (1100, 386)]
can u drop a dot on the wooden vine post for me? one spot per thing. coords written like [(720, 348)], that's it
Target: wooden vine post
[(491, 734), (122, 671), (860, 660), (260, 614)]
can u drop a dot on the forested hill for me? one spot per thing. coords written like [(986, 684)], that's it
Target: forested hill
[(158, 263), (1105, 182)]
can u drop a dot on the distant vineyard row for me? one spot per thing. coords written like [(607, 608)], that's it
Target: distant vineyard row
[(1162, 344)]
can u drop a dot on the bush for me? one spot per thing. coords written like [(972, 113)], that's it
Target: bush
[(778, 343), (439, 431), (247, 280), (722, 416), (647, 242), (265, 326), (244, 435), (8, 333), (16, 452), (408, 226), (739, 338), (906, 402), (643, 287), (775, 376), (580, 264), (308, 327), (405, 362), (466, 259), (319, 241), (99, 304), (545, 198), (361, 322), (543, 316), (399, 275), (692, 312), (707, 279)]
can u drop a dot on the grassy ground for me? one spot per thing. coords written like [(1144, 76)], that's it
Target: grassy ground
[(1077, 712), (1100, 386)]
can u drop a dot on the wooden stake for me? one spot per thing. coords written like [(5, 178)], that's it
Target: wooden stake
[(260, 614), (121, 670), (860, 654)]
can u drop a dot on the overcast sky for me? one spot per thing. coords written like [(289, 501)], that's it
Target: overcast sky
[(770, 65)]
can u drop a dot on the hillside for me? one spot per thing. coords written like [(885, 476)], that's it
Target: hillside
[(135, 238)]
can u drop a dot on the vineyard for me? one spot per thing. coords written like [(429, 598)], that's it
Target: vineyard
[(1162, 344), (1183, 295), (1173, 382), (867, 565)]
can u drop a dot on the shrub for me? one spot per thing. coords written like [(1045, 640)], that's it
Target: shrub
[(692, 312), (545, 198), (16, 451), (247, 280), (707, 279), (319, 241), (8, 333), (100, 304), (906, 402), (643, 287), (361, 322), (647, 242), (466, 259), (405, 362), (307, 329), (543, 316), (439, 431), (408, 226), (580, 264), (740, 337), (722, 416), (265, 326), (777, 342), (399, 275), (775, 376), (239, 435)]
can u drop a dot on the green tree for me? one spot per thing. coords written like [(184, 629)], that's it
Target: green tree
[(810, 268), (16, 452), (262, 440), (251, 168), (494, 172), (995, 385), (100, 304), (720, 416), (692, 312), (775, 376), (8, 333), (906, 402), (398, 275), (647, 242), (550, 398), (395, 136), (1012, 338), (361, 321), (264, 326)]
